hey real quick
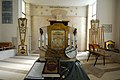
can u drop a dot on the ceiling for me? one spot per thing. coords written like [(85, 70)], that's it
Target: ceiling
[(61, 2)]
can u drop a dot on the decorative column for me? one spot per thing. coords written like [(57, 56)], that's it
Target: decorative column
[(22, 48)]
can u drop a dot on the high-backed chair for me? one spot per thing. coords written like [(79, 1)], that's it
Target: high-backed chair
[(92, 49), (110, 46), (95, 49)]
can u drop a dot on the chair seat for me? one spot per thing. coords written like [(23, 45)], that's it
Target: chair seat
[(97, 51)]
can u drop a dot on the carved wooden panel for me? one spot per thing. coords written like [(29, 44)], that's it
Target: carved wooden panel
[(57, 40), (58, 36)]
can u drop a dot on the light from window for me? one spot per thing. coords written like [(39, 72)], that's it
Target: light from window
[(23, 8), (94, 11)]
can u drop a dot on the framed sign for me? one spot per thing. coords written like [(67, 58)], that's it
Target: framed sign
[(107, 28)]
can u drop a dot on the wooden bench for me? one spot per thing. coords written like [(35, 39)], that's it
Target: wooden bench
[(5, 45), (1, 48), (97, 51)]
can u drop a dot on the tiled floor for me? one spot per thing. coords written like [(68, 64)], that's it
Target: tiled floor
[(16, 68)]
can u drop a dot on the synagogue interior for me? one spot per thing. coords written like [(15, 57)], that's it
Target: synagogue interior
[(59, 39)]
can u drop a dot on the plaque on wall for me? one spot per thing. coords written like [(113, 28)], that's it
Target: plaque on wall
[(7, 14), (107, 28)]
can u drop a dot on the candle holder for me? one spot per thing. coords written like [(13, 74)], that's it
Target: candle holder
[(22, 48)]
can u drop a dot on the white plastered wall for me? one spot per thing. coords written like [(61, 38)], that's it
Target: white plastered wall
[(7, 31), (76, 16), (106, 15), (108, 12), (117, 22)]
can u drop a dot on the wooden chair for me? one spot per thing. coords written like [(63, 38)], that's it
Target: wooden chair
[(110, 46), (95, 49)]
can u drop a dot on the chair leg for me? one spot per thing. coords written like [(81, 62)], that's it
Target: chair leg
[(104, 60), (88, 56), (96, 57)]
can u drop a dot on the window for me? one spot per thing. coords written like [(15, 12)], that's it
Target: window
[(7, 14), (91, 15), (94, 11), (23, 9)]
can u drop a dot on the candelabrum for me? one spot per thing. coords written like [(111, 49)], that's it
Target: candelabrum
[(22, 48)]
